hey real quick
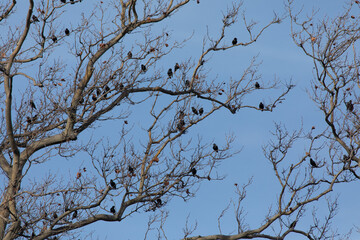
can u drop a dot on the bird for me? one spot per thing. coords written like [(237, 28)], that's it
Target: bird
[(32, 104), (194, 110), (81, 101), (181, 125), (129, 54), (131, 170), (170, 73), (54, 38), (193, 171), (350, 106), (313, 163), (112, 184), (72, 1), (234, 41), (177, 66), (28, 119), (158, 202), (63, 1), (112, 209), (67, 32), (75, 214), (35, 18), (94, 98), (187, 83), (257, 85), (98, 92), (55, 215), (293, 224), (106, 89), (215, 147), (201, 111), (121, 86), (261, 106), (143, 68)]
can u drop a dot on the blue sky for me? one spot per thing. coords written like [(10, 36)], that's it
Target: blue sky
[(279, 58)]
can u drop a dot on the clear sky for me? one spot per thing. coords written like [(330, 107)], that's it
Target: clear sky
[(280, 59)]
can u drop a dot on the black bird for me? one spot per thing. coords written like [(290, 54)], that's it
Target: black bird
[(129, 54), (177, 66), (112, 184), (181, 114), (32, 104), (112, 209), (67, 32), (98, 92), (313, 163), (261, 106), (158, 202), (63, 1), (55, 215), (234, 41), (131, 170), (215, 147), (201, 111), (75, 214), (257, 85), (350, 106), (187, 83), (181, 125), (121, 86), (170, 73), (193, 171), (106, 89), (72, 1), (143, 68), (94, 98), (35, 18), (54, 38), (293, 224), (28, 119), (194, 110)]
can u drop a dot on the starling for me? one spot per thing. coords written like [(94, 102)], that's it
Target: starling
[(170, 73), (131, 170), (215, 147), (293, 224), (32, 104), (143, 68), (187, 83), (54, 38), (112, 184), (94, 98), (313, 163), (181, 125), (121, 86), (234, 41), (98, 92), (55, 215), (350, 106), (193, 171), (72, 1), (63, 1), (181, 114), (129, 54), (28, 119), (75, 214), (201, 111), (177, 66), (194, 111), (257, 85), (112, 209), (106, 89), (35, 19), (261, 106), (67, 32)]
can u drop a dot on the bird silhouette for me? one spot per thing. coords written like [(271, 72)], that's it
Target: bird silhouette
[(234, 41), (67, 32), (215, 147), (129, 54), (257, 85), (32, 104), (35, 18), (55, 215), (177, 66), (350, 106), (72, 1), (201, 111), (187, 83), (313, 163), (54, 38), (170, 73), (158, 202), (143, 68), (293, 224), (75, 214), (194, 110), (112, 209), (261, 106), (98, 92), (131, 170), (94, 98), (193, 171), (63, 1), (112, 184)]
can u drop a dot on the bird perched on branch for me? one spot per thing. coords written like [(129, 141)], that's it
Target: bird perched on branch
[(234, 41), (257, 85), (313, 163), (201, 111), (261, 106), (112, 184), (215, 147), (170, 73), (177, 66), (112, 209), (193, 171), (129, 54), (32, 104), (350, 106), (67, 32), (194, 110)]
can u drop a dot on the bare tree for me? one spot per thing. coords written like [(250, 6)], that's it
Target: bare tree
[(61, 81)]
